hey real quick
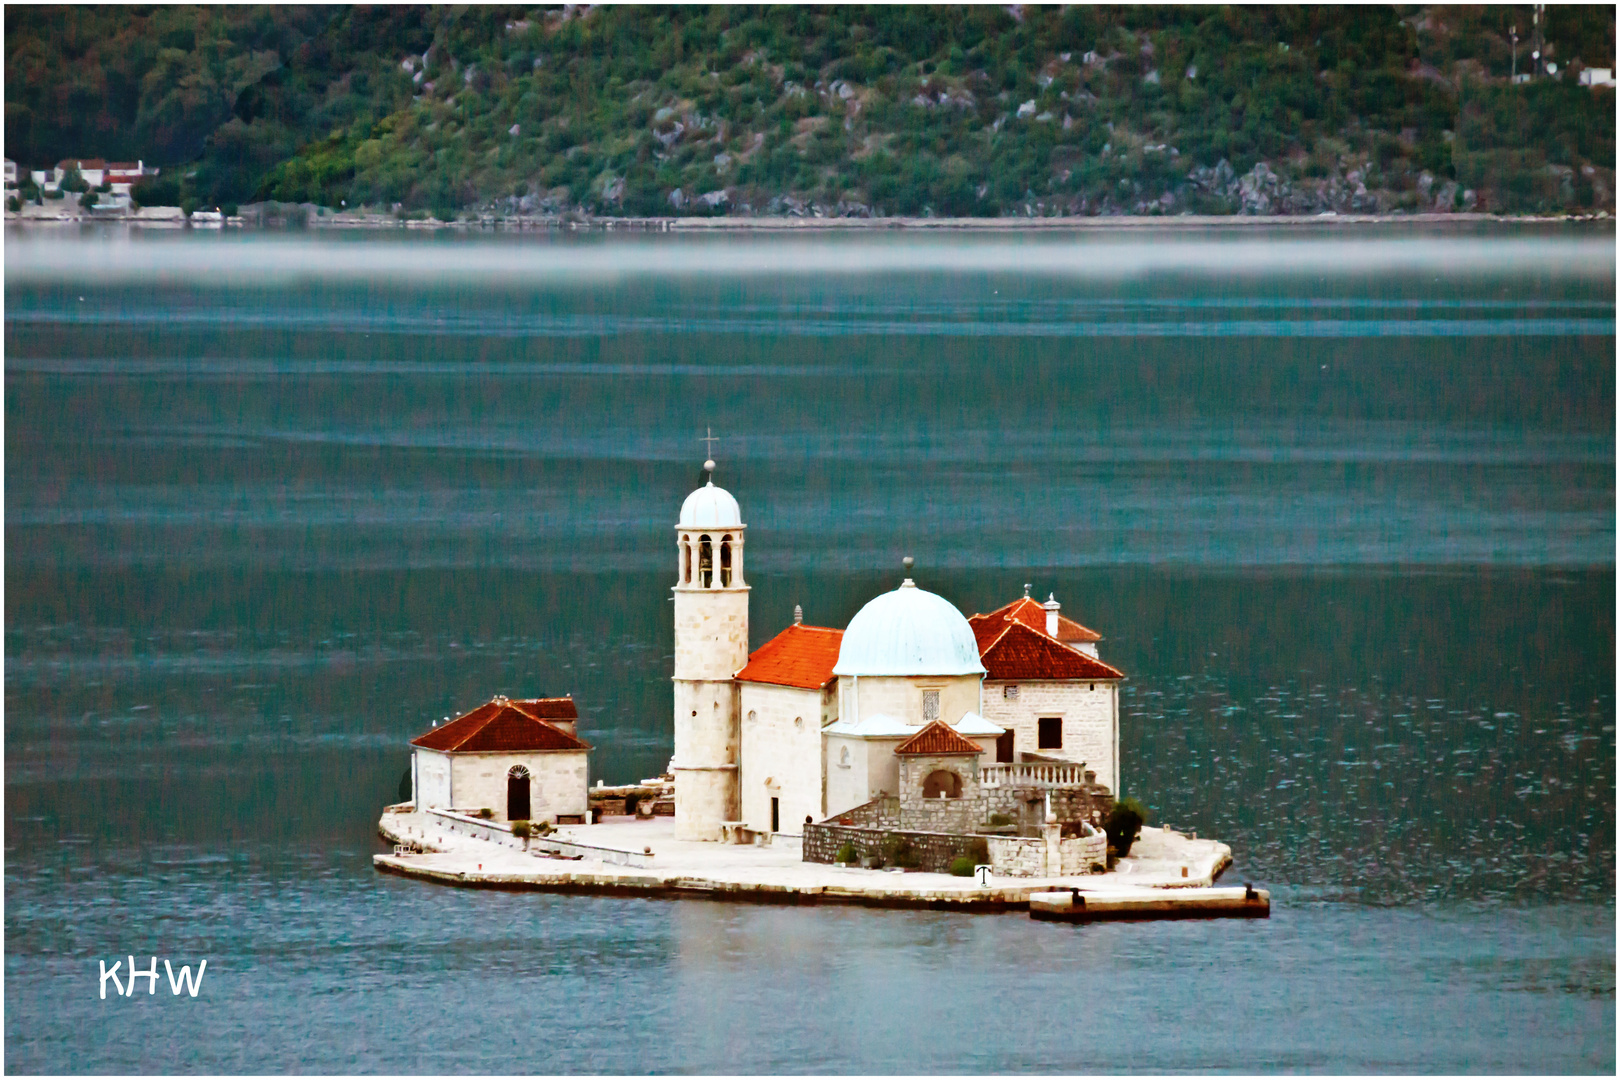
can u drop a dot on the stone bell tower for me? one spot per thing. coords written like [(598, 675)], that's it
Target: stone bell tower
[(711, 646)]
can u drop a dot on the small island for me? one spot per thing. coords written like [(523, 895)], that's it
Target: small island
[(916, 758)]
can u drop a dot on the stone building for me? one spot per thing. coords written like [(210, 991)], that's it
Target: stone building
[(811, 724), (711, 646), (787, 699), (520, 759), (1046, 686)]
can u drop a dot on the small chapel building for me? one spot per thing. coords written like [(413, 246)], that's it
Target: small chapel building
[(818, 721), (521, 759)]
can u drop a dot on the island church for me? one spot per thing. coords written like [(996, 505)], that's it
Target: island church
[(818, 721)]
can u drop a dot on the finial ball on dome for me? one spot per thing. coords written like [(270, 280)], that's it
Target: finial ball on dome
[(708, 466), (908, 562)]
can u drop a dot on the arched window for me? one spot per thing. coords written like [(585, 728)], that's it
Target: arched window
[(843, 758), (725, 561), (942, 784), (705, 562), (686, 559), (517, 794)]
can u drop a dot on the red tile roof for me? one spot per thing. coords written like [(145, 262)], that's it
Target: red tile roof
[(801, 656), (548, 708), (498, 726), (1016, 652), (936, 738), (1031, 614)]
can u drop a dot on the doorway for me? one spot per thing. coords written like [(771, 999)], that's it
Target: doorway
[(517, 794), (776, 814), (1004, 747)]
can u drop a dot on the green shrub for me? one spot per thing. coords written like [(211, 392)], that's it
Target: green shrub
[(520, 828), (998, 820), (12, 204), (1125, 820), (846, 853), (897, 851), (962, 865)]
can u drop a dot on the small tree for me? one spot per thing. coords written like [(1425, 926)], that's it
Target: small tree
[(1125, 820), (13, 204), (88, 200)]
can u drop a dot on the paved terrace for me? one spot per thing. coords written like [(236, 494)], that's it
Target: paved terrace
[(773, 873)]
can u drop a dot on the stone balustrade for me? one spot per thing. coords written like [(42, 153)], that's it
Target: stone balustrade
[(1033, 774)]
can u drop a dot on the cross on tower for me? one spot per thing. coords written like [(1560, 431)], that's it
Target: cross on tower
[(711, 438)]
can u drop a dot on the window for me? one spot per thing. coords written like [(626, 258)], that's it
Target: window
[(1050, 733), (930, 706), (843, 758), (1010, 693), (942, 784)]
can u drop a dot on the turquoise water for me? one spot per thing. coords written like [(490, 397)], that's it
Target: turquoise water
[(1342, 508)]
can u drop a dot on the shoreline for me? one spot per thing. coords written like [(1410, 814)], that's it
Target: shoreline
[(701, 225), (441, 849)]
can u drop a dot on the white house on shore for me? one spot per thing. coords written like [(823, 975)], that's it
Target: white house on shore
[(521, 759)]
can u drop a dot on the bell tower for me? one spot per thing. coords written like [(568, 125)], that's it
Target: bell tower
[(711, 646)]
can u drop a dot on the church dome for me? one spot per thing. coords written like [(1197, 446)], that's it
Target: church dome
[(710, 507), (909, 631)]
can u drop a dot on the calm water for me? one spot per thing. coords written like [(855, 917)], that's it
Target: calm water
[(1343, 509)]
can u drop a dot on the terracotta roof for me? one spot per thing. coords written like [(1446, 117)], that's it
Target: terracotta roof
[(800, 656), (1018, 652), (548, 708), (1029, 612), (498, 726), (937, 738)]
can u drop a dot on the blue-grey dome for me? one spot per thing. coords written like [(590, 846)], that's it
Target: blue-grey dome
[(909, 631), (710, 507)]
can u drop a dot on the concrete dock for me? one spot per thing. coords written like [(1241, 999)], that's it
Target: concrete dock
[(1212, 903), (634, 856)]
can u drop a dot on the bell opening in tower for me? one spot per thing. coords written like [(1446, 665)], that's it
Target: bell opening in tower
[(705, 562), (725, 561)]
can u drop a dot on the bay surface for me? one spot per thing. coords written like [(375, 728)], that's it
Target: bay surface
[(1342, 507)]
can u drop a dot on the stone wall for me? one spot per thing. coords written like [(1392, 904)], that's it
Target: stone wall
[(1017, 856), (1079, 854), (1025, 856), (933, 851), (1027, 805), (880, 813)]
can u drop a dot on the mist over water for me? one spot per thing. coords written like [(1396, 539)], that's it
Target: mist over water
[(1342, 507)]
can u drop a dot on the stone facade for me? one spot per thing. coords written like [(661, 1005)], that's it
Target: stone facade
[(558, 781), (932, 852), (1017, 856), (781, 750), (1032, 856), (1089, 712), (859, 769), (904, 697), (962, 814), (711, 646)]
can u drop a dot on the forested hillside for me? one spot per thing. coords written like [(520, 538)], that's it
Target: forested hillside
[(981, 111)]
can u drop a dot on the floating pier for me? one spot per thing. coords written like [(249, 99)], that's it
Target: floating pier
[(1080, 905)]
